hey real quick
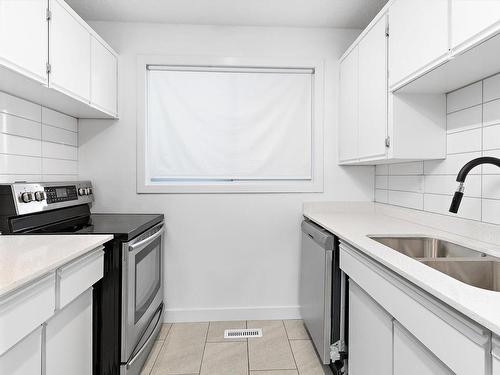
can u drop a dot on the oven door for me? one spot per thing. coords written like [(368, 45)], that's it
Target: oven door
[(142, 288)]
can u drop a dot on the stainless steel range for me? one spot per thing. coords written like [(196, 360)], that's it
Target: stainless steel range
[(128, 302)]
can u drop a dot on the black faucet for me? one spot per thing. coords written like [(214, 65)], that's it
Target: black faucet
[(457, 198)]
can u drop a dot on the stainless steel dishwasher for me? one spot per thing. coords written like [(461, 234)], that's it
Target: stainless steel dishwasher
[(322, 295)]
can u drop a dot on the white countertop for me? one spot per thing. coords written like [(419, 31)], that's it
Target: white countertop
[(24, 258), (353, 222)]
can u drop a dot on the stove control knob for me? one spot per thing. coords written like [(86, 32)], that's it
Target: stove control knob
[(81, 191), (90, 191), (39, 196), (26, 197), (87, 191)]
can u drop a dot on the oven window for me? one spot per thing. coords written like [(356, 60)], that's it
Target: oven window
[(147, 277)]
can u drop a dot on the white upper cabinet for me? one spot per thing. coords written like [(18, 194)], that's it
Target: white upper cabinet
[(373, 92), (470, 18), (23, 37), (348, 111), (104, 77), (50, 56), (418, 37), (69, 52)]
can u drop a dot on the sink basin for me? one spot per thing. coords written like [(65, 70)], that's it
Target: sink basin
[(481, 273), (427, 247), (463, 264)]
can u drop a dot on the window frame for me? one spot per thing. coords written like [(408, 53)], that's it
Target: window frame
[(248, 186)]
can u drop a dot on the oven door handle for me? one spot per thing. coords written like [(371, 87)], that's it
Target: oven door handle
[(151, 337), (147, 240)]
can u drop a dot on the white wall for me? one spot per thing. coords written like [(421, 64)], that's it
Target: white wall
[(473, 126), (36, 143), (228, 256)]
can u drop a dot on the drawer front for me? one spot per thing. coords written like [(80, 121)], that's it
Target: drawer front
[(25, 310), (412, 358), (25, 358), (435, 326), (76, 277)]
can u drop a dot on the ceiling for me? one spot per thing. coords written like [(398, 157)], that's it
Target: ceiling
[(299, 13)]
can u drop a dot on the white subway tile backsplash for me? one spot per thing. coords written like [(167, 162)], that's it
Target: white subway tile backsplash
[(407, 183), (381, 182), (59, 177), (58, 135), (473, 127), (16, 164), (465, 119), (36, 143), (381, 196), (19, 107), (382, 170), (406, 199), (447, 184), (59, 166), (14, 125), (466, 141), (8, 178), (465, 97), (469, 209), (59, 151), (491, 186), (491, 87), (488, 168), (451, 165), (14, 145), (406, 168), (58, 119), (491, 137), (491, 211), (491, 113)]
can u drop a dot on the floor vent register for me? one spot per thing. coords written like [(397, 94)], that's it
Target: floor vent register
[(242, 333)]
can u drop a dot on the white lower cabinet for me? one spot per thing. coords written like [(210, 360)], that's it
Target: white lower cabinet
[(25, 358), (423, 325), (495, 355), (370, 335), (70, 332), (412, 358)]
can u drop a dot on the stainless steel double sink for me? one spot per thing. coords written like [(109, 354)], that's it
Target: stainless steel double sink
[(462, 263)]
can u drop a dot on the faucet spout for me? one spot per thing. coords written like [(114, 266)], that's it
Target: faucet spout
[(462, 175)]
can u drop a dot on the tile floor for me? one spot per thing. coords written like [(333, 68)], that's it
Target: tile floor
[(200, 348)]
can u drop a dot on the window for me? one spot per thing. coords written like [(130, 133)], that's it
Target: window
[(228, 128)]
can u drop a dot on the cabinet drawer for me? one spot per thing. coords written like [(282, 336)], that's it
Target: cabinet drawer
[(412, 358), (24, 310), (76, 277), (25, 358), (433, 324)]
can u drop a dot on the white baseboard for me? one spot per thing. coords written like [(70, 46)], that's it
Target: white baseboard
[(231, 313)]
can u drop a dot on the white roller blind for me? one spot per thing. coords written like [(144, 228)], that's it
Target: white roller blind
[(228, 124)]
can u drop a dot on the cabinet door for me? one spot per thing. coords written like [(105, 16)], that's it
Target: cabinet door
[(412, 358), (70, 332), (373, 91), (23, 37), (69, 52), (495, 355), (418, 36), (348, 111), (103, 77), (25, 358), (470, 17), (370, 335)]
